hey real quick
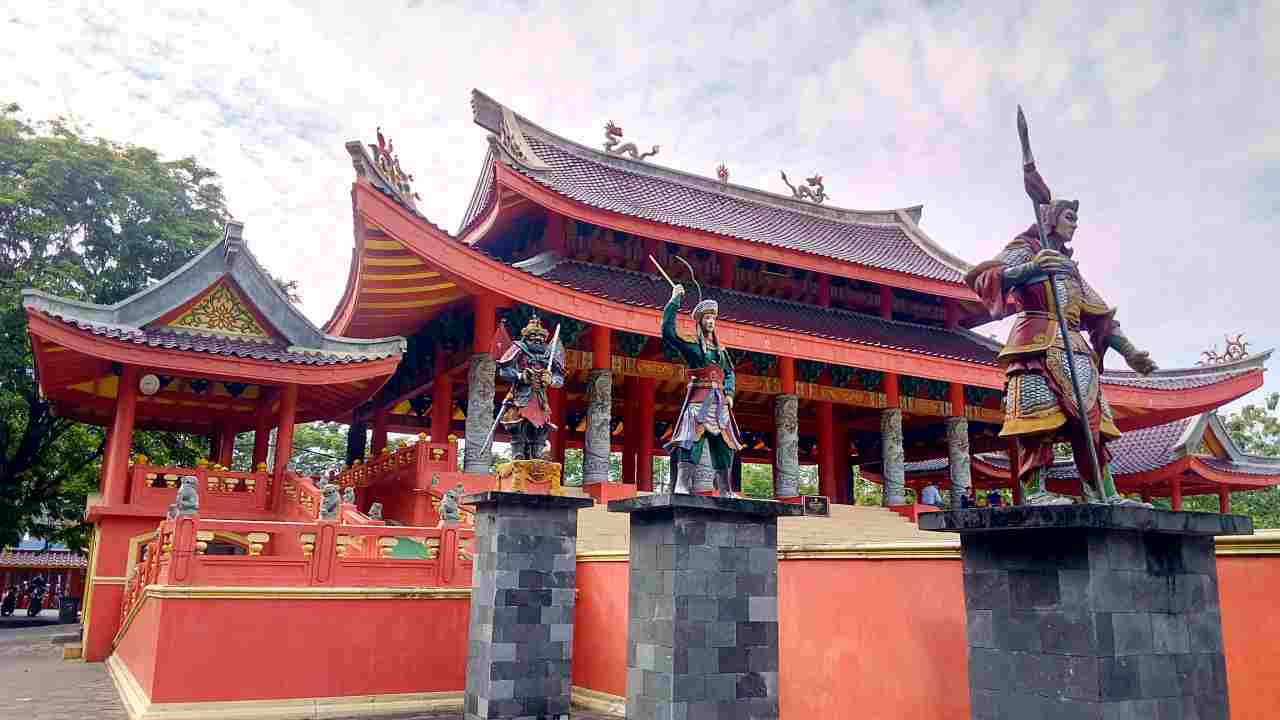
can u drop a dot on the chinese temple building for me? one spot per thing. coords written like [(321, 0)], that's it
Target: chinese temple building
[(61, 569), (850, 328), (253, 591)]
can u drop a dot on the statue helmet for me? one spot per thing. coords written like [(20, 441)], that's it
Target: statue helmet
[(534, 330), (706, 307)]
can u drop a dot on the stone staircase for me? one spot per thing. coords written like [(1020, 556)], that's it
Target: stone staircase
[(600, 531)]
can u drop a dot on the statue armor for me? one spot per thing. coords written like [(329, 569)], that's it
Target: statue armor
[(527, 364), (1040, 403), (705, 437)]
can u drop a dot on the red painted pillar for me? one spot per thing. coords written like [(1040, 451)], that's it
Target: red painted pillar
[(556, 396), (630, 419), (728, 264), (284, 440), (553, 236), (844, 466), (886, 302), (952, 310), (644, 432), (262, 428), (115, 461), (827, 482), (486, 309), (226, 445), (379, 432), (1224, 500), (787, 375), (1175, 492), (957, 399), (892, 397), (441, 399), (601, 352), (824, 290)]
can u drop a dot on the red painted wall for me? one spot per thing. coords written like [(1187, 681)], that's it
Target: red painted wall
[(600, 627), (1249, 587), (111, 561), (199, 650), (885, 638)]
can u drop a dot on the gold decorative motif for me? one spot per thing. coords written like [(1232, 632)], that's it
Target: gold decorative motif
[(536, 477), (220, 311)]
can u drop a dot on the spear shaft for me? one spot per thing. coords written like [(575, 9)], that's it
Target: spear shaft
[(1063, 331)]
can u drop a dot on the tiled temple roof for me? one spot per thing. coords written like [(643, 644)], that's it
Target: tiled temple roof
[(888, 240), (1145, 450), (42, 559), (135, 319), (633, 288)]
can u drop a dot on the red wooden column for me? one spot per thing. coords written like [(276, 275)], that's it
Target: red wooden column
[(115, 461), (648, 388), (844, 466), (787, 375), (827, 482), (601, 351), (284, 440), (226, 445), (441, 400), (1224, 500), (728, 264), (892, 396), (556, 396), (886, 302), (1175, 492), (379, 432), (262, 427), (631, 398), (824, 290), (553, 236)]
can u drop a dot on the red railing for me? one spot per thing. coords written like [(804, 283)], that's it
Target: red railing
[(220, 490), (416, 459), (281, 554)]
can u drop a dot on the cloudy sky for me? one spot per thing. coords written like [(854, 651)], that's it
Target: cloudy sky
[(1160, 118)]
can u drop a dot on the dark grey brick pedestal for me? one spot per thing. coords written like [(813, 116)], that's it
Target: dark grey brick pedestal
[(1090, 611), (703, 633), (520, 641)]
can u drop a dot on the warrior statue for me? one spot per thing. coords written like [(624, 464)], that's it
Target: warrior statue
[(1035, 280), (531, 366), (188, 497), (706, 437)]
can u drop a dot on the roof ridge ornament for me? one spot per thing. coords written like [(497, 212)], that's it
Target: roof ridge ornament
[(232, 240), (513, 139), (1237, 349), (722, 173), (387, 163), (613, 138), (807, 191)]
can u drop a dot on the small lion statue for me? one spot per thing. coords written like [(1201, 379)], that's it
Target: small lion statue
[(188, 497), (349, 495), (375, 511), (329, 504), (450, 513)]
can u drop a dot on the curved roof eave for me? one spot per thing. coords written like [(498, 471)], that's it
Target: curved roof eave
[(491, 115)]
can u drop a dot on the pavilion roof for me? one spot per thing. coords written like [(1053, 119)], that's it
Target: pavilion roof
[(886, 240), (254, 320), (10, 557), (1143, 456)]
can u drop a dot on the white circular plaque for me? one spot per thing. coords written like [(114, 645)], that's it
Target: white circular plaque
[(149, 384)]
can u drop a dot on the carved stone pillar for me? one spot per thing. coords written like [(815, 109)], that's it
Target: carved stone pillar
[(480, 391), (596, 447), (958, 458), (786, 473), (891, 454)]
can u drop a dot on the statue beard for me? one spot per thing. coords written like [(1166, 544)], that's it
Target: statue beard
[(537, 347)]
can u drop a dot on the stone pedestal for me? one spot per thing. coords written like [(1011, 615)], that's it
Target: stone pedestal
[(703, 629), (520, 638), (1091, 611)]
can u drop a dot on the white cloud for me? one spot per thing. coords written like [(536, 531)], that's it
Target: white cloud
[(1159, 118)]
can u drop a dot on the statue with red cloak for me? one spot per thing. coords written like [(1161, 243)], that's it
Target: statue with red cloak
[(1033, 280)]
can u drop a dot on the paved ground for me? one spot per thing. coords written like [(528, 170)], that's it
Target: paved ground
[(37, 684)]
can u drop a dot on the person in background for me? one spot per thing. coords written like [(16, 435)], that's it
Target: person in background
[(994, 499), (930, 496)]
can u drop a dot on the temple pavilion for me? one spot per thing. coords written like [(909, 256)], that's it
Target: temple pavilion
[(851, 328)]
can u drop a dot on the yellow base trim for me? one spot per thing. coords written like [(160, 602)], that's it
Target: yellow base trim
[(140, 707), (599, 702), (1262, 542), (604, 556), (1033, 425)]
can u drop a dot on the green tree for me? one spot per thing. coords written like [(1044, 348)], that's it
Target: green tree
[(95, 220), (1255, 429)]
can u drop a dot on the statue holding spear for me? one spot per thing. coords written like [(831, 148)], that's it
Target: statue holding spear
[(1053, 391)]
